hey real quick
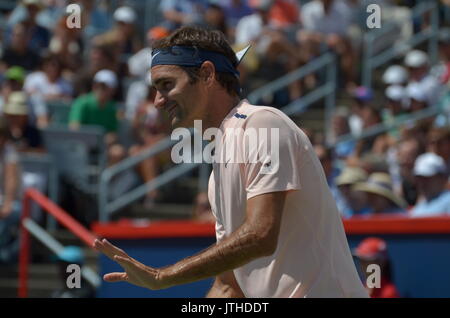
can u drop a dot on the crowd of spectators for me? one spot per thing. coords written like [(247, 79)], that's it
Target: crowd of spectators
[(102, 71)]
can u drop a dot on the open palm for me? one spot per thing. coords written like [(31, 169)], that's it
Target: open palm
[(135, 273)]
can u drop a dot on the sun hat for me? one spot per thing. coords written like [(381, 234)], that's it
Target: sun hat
[(351, 175), (380, 183)]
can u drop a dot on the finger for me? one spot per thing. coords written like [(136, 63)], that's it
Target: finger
[(113, 249), (125, 262), (99, 246), (115, 277)]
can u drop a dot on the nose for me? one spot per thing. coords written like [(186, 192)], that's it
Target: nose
[(160, 100)]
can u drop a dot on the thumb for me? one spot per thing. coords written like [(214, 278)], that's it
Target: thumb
[(115, 277)]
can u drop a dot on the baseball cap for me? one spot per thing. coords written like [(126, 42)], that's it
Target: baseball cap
[(362, 93), (125, 14), (416, 58), (429, 164), (395, 74), (106, 77), (371, 248), (16, 104), (395, 92), (15, 73), (157, 33), (415, 91), (351, 175)]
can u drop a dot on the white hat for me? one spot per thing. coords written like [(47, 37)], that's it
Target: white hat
[(395, 92), (125, 14), (416, 58), (395, 74), (429, 164), (415, 91), (106, 77)]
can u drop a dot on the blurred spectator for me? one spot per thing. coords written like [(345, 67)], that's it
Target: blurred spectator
[(97, 107), (149, 127), (373, 251), (100, 57), (38, 37), (37, 109), (9, 196), (417, 97), (234, 11), (356, 200), (215, 18), (67, 44), (431, 177), (439, 143), (18, 53), (283, 14), (123, 38), (270, 44), (361, 96), (380, 194), (94, 18), (49, 83), (407, 152), (179, 13), (202, 209), (325, 156), (25, 136), (395, 75), (341, 128), (444, 41), (139, 65), (326, 22), (418, 65)]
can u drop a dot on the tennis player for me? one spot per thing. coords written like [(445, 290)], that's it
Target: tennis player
[(279, 233)]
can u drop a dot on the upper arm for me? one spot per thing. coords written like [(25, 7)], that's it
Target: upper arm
[(264, 215), (76, 112)]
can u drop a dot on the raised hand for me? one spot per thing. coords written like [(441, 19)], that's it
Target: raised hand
[(135, 273)]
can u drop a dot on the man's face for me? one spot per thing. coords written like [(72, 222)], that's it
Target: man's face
[(430, 187), (183, 100)]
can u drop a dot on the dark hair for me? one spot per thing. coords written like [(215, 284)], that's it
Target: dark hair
[(201, 38)]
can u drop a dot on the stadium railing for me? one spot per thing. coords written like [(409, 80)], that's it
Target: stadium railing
[(327, 90), (79, 155), (373, 60), (107, 207), (385, 127), (28, 226), (44, 165)]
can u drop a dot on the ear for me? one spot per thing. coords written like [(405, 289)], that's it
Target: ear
[(208, 72)]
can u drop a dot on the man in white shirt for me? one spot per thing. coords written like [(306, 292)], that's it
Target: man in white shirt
[(279, 233)]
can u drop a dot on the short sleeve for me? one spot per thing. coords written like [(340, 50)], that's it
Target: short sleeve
[(272, 163)]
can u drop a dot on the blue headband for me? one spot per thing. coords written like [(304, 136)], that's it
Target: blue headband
[(191, 56)]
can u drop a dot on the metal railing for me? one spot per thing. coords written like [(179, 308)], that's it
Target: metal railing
[(28, 226), (106, 208), (327, 90), (385, 127), (372, 61)]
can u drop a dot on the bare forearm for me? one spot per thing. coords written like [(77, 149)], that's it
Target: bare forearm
[(238, 249), (11, 183)]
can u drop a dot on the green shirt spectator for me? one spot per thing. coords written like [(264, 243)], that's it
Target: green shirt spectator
[(86, 110), (97, 107)]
